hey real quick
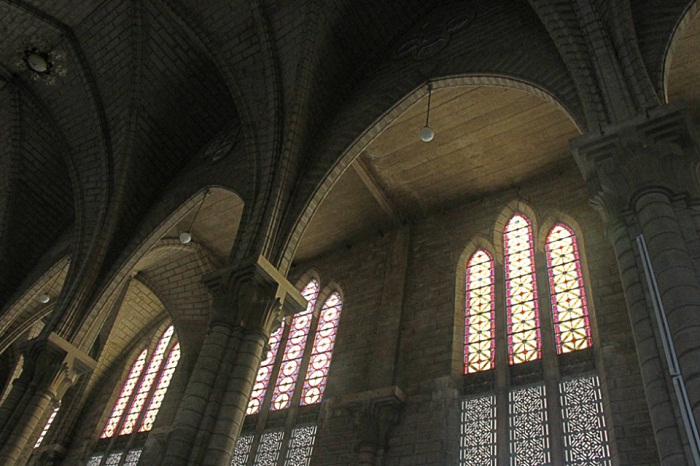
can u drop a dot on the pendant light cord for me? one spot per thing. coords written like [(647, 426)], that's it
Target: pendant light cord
[(206, 193), (430, 93)]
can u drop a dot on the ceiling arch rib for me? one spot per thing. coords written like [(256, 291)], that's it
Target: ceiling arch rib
[(488, 139)]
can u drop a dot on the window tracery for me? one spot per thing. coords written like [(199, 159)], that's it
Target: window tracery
[(578, 416), (294, 377), (140, 398)]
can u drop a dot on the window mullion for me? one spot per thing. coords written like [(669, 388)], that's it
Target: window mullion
[(550, 366), (115, 437), (502, 374)]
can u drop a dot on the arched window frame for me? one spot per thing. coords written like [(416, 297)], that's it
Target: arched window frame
[(124, 447), (259, 437), (489, 403)]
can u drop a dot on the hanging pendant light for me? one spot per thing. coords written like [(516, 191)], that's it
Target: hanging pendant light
[(186, 236), (45, 297), (426, 133)]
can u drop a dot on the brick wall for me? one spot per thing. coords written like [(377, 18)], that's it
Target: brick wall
[(429, 368)]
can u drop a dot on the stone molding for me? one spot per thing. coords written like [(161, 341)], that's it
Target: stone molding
[(254, 296), (658, 152), (55, 365), (376, 412)]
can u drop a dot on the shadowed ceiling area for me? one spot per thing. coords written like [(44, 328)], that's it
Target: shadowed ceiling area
[(487, 139), (683, 76)]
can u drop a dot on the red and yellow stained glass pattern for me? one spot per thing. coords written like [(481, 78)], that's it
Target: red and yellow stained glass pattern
[(262, 380), (324, 341), (294, 350), (571, 326), (162, 387), (521, 292), (124, 395), (146, 383), (479, 314)]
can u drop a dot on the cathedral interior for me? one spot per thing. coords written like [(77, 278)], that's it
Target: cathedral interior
[(349, 232)]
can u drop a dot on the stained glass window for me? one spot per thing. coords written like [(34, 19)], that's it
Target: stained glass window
[(269, 448), (262, 379), (46, 427), (585, 437), (571, 327), (521, 292), (479, 315), (124, 395), (294, 350), (301, 444), (242, 451), (324, 342), (478, 439), (161, 389), (146, 383), (529, 435)]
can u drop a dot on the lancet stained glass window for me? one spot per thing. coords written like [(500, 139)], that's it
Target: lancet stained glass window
[(146, 383), (47, 427), (479, 320), (124, 395), (521, 291), (152, 377), (262, 379), (163, 383), (571, 327), (324, 342), (585, 437), (294, 350)]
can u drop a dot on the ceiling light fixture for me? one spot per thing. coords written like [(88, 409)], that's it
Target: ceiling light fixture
[(186, 236), (45, 297), (426, 133), (41, 61)]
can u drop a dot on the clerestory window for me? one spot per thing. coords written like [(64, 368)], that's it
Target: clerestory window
[(290, 385), (138, 403), (531, 391)]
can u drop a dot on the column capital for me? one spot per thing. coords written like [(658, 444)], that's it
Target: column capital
[(254, 296), (54, 364), (376, 412), (658, 152)]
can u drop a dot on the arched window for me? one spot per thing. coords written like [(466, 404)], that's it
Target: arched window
[(294, 350), (521, 291), (479, 338), (322, 352), (139, 400), (569, 308), (299, 374), (569, 407)]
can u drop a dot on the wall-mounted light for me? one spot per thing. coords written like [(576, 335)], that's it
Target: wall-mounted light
[(426, 133), (186, 236)]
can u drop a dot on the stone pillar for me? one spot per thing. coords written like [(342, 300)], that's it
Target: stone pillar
[(249, 303), (376, 413), (640, 174), (51, 366)]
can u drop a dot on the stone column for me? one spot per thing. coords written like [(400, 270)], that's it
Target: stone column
[(51, 366), (249, 303), (640, 175)]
